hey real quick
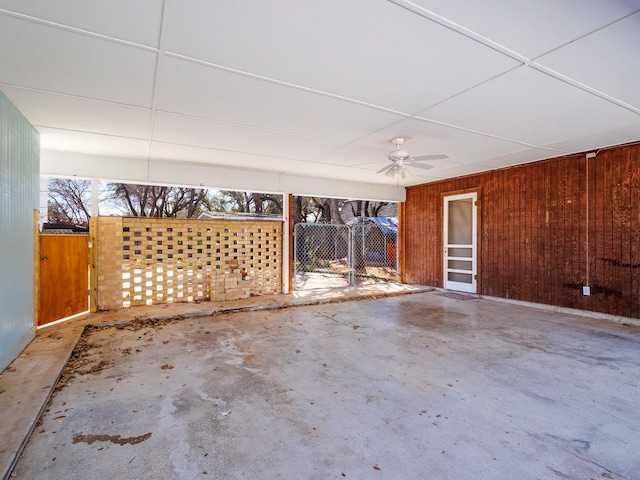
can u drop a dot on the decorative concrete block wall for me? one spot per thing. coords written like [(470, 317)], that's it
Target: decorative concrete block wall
[(149, 261)]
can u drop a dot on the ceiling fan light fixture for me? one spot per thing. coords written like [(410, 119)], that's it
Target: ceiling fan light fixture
[(396, 171), (400, 159), (399, 153)]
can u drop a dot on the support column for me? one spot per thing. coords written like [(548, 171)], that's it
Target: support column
[(95, 197), (286, 243), (93, 245), (400, 242), (43, 205)]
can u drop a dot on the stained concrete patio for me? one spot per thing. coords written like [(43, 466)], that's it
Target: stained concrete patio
[(411, 387), (27, 383)]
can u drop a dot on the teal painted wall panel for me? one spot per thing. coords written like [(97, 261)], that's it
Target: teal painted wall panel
[(19, 180)]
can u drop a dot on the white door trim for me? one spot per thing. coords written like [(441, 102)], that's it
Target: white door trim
[(455, 275)]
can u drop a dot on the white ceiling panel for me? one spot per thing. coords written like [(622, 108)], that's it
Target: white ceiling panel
[(336, 172), (521, 157), (436, 166), (200, 133), (427, 138), (225, 158), (207, 92), (374, 52), (138, 21), (310, 93), (55, 60), (616, 75), (73, 113), (617, 136), (452, 171), (79, 142), (352, 155), (529, 106), (531, 28)]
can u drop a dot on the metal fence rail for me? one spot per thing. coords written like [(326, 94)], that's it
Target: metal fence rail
[(334, 256)]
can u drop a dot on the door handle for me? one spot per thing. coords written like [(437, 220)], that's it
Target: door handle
[(44, 257)]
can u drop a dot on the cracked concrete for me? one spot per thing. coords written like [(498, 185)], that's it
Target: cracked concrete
[(411, 387)]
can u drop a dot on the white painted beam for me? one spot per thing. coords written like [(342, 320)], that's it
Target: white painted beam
[(140, 170)]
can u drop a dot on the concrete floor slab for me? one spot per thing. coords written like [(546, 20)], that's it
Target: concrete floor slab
[(27, 383), (412, 387)]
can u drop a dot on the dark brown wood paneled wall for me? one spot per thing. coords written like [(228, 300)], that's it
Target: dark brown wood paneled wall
[(538, 225)]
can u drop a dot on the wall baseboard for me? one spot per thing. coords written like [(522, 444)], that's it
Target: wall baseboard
[(569, 311)]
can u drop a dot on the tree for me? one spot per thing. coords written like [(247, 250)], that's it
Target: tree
[(247, 202), (158, 201), (69, 201), (365, 208), (330, 210)]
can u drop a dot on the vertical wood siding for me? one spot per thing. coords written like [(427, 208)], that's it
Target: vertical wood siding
[(19, 177), (545, 230)]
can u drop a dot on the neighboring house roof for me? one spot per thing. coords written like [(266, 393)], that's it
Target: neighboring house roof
[(388, 225), (388, 210), (239, 216), (63, 228)]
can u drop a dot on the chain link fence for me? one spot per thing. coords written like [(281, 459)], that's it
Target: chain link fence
[(335, 256)]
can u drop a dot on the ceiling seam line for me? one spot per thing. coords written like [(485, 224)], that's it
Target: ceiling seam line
[(613, 22), (226, 150), (284, 84), (585, 88), (78, 97), (429, 15), (312, 161), (73, 130), (355, 142), (461, 30), (155, 95), (477, 132), (250, 127), (79, 31), (466, 90)]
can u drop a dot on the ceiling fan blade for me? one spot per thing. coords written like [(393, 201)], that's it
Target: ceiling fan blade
[(422, 158), (385, 168), (419, 165)]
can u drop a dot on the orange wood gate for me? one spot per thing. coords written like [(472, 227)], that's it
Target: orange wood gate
[(64, 276)]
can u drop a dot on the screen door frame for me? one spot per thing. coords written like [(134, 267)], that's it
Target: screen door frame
[(460, 258)]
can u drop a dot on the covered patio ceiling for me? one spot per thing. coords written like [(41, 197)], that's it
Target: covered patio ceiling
[(305, 96)]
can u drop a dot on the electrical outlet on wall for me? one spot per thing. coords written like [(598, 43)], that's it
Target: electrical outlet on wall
[(586, 290)]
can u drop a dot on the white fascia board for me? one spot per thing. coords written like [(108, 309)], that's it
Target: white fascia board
[(326, 187), (139, 170), (70, 164), (199, 175)]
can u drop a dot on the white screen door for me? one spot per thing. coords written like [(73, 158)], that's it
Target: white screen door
[(460, 224)]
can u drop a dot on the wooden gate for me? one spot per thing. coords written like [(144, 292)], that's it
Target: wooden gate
[(64, 277)]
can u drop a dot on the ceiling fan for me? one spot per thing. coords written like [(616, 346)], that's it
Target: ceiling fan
[(400, 160)]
